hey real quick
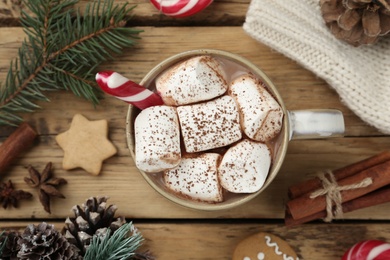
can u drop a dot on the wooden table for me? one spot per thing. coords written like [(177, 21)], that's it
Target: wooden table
[(171, 231)]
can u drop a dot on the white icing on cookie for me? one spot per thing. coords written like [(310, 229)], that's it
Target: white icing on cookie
[(271, 244), (277, 251)]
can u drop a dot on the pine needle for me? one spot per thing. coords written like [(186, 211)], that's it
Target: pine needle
[(2, 245), (61, 52), (120, 246)]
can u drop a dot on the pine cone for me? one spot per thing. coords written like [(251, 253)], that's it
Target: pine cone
[(44, 242), (357, 21), (11, 246), (93, 217)]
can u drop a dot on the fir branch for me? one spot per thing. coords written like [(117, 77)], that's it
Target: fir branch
[(61, 52), (2, 244), (121, 245)]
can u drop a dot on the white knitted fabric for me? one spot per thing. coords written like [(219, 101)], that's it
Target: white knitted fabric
[(360, 75)]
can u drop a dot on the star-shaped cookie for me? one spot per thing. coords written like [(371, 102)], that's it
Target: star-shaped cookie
[(85, 144)]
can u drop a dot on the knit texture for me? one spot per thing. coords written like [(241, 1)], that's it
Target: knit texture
[(360, 75)]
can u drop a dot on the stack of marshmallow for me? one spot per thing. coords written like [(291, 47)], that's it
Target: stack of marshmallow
[(205, 110)]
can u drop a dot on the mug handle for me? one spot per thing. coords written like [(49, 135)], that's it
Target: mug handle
[(315, 123)]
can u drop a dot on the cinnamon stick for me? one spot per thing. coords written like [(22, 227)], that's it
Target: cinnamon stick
[(15, 144), (371, 199), (304, 206), (315, 183)]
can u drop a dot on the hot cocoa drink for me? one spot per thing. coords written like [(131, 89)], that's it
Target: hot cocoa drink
[(215, 136)]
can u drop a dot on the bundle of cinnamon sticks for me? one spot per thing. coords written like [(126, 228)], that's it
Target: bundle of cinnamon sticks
[(304, 207)]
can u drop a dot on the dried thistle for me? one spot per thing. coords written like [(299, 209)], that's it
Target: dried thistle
[(46, 185)]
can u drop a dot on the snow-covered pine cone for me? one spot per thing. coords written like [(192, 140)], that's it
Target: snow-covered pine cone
[(44, 242)]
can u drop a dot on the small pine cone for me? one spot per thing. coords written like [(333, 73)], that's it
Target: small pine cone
[(91, 218), (357, 21), (45, 242), (11, 246)]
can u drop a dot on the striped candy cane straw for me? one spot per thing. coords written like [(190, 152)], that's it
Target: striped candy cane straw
[(120, 87), (368, 250), (180, 8)]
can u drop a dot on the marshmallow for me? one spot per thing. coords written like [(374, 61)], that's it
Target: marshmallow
[(197, 79), (209, 125), (260, 114), (244, 167), (196, 178), (157, 139)]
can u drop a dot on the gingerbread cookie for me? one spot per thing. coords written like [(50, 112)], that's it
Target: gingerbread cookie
[(264, 246), (85, 144)]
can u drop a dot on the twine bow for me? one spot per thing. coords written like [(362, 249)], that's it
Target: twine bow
[(332, 190)]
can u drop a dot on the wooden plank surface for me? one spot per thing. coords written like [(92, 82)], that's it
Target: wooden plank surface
[(211, 241), (171, 231), (119, 178)]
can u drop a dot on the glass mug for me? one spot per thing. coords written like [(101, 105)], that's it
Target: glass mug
[(299, 124)]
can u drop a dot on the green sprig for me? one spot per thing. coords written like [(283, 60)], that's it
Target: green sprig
[(2, 244), (61, 52), (121, 245)]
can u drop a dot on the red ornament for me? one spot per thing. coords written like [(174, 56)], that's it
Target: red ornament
[(368, 250), (122, 88), (180, 8)]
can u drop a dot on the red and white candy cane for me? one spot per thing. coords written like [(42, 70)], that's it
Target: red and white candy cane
[(368, 250), (120, 87), (180, 8)]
